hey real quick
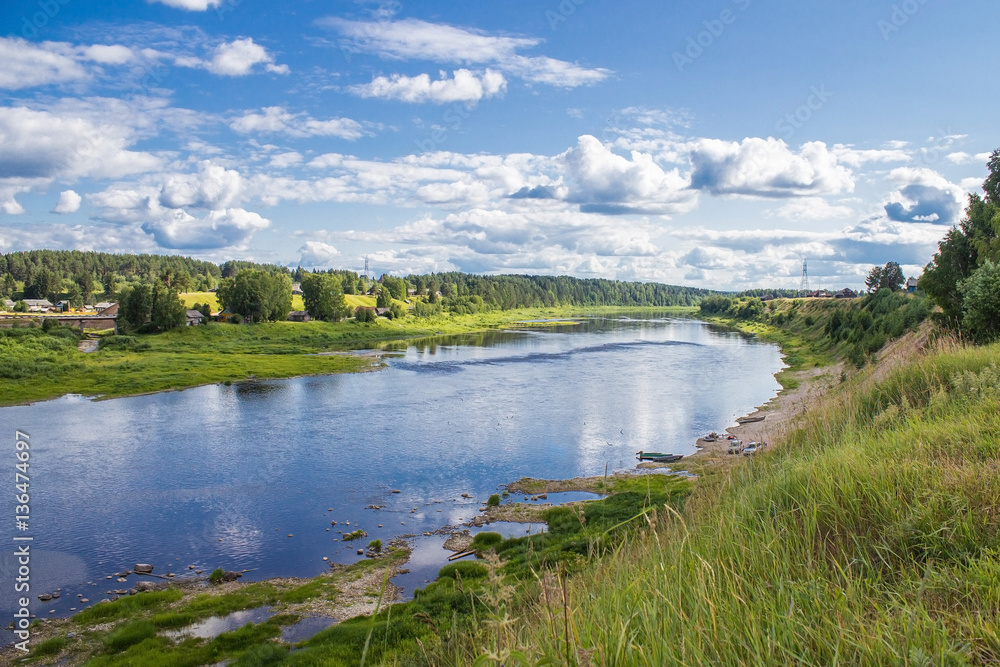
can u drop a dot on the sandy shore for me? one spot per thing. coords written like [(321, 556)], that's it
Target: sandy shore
[(779, 416)]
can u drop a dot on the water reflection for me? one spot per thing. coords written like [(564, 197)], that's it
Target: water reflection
[(246, 476)]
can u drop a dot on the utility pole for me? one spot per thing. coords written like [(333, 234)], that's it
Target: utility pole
[(804, 286)]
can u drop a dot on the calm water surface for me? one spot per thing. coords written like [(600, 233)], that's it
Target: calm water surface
[(252, 475)]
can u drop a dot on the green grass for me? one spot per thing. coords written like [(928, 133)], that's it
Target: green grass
[(870, 536)]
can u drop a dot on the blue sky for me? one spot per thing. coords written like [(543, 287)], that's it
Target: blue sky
[(713, 144)]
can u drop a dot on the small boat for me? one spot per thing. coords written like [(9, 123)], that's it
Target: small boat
[(659, 457), (750, 420)]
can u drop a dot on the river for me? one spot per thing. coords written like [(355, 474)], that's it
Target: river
[(250, 476)]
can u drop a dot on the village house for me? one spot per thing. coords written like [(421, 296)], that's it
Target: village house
[(911, 284), (194, 318), (297, 289), (224, 316), (846, 293), (100, 307), (8, 304), (299, 316), (38, 305), (110, 311)]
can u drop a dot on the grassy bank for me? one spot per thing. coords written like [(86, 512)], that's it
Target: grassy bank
[(37, 367), (870, 536)]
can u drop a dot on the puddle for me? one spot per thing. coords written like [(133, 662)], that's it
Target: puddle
[(428, 554), (212, 627), (306, 628)]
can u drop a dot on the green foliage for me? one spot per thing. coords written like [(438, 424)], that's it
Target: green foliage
[(966, 248), (364, 314), (466, 570), (131, 634), (216, 576), (427, 309), (126, 607), (384, 299), (493, 500), (486, 540), (262, 655), (375, 545), (715, 305), (981, 303), (355, 535), (324, 297), (396, 286), (20, 307), (29, 352), (51, 646), (257, 295)]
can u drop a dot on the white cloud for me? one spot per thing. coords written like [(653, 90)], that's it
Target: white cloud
[(69, 202), (318, 255), (228, 228), (214, 187), (191, 5), (285, 160), (26, 64), (109, 54), (603, 181), (923, 195), (413, 39), (421, 40), (856, 158), (10, 206), (236, 58), (812, 208), (43, 145), (554, 72), (962, 157), (767, 168), (464, 86), (279, 120)]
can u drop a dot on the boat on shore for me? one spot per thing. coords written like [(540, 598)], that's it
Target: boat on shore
[(659, 457), (750, 420)]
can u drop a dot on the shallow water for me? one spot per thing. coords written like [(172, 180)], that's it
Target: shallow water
[(251, 476)]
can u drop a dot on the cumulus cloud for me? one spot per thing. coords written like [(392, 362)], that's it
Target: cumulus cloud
[(43, 145), (214, 187), (603, 181), (10, 205), (924, 196), (226, 228), (273, 120), (26, 64), (236, 58), (413, 39), (464, 86), (69, 202), (318, 255), (767, 168)]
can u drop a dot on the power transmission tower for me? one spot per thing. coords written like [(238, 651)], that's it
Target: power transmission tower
[(366, 266), (804, 286)]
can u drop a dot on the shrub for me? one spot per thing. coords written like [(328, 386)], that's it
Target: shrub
[(466, 569), (484, 541), (376, 546), (493, 500), (216, 575)]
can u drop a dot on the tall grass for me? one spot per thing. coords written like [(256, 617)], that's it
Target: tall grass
[(870, 536)]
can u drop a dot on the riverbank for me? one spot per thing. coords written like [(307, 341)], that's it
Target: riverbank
[(39, 367)]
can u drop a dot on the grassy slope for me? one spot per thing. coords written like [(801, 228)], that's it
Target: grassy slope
[(869, 537)]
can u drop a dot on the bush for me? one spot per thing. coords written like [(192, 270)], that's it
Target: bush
[(493, 500), (216, 576), (484, 541), (376, 546), (236, 319), (466, 569), (364, 314)]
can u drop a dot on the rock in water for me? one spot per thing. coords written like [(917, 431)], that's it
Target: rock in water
[(141, 568)]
